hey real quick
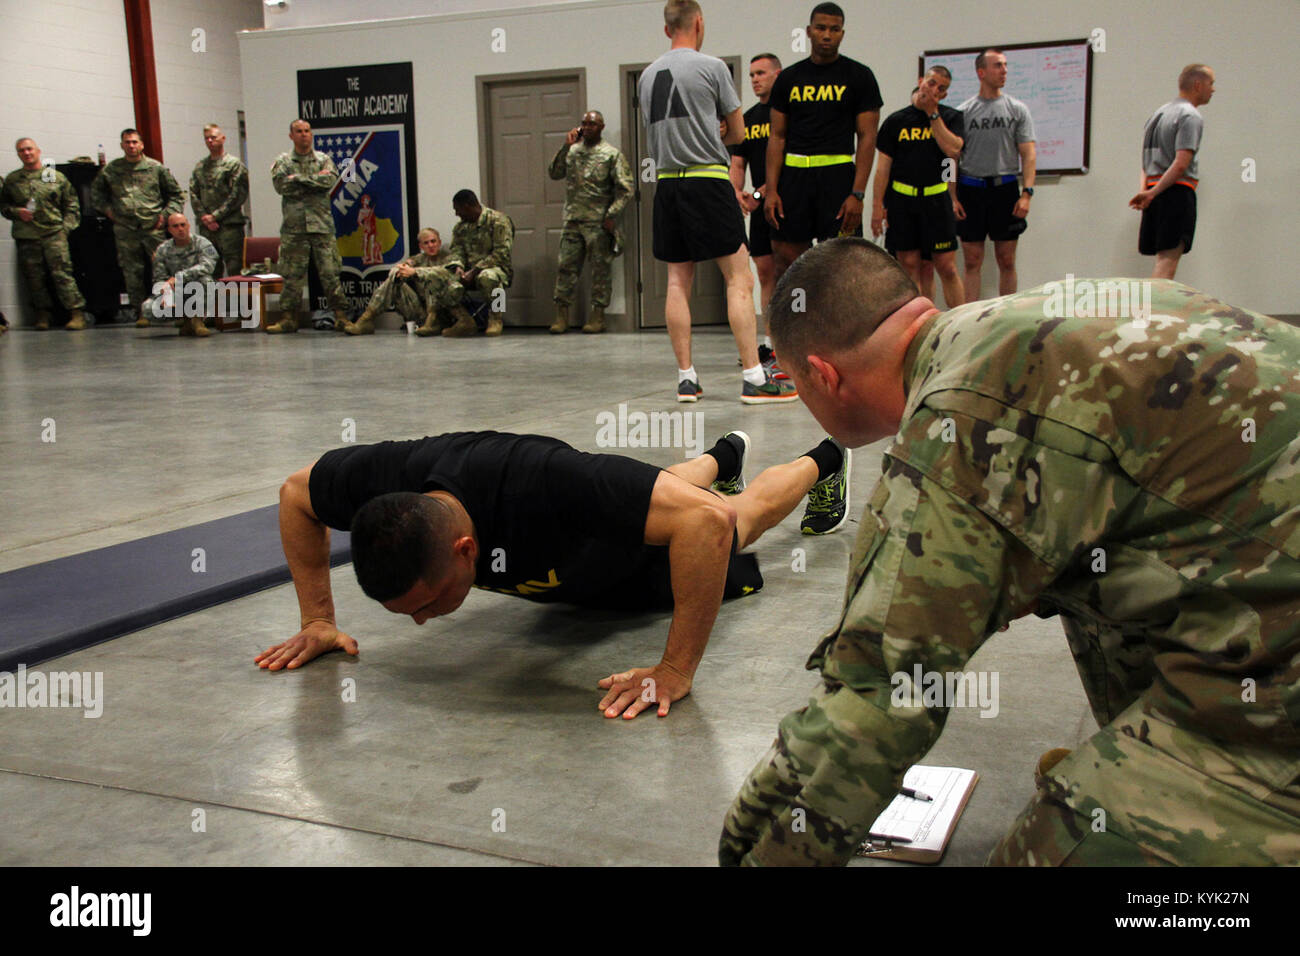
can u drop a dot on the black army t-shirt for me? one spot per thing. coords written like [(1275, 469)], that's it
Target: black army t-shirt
[(907, 139), (553, 523), (822, 103), (753, 149)]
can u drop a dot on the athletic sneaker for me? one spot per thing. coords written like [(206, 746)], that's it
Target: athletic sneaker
[(828, 501), (734, 484), (689, 391), (770, 392), (767, 358)]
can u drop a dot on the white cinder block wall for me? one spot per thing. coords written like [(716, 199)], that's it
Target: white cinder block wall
[(68, 85), (1080, 225)]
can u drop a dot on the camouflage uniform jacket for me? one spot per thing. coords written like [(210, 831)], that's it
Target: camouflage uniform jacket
[(484, 243), (195, 262), (219, 187), (1142, 482), (598, 182), (306, 197), (137, 193), (56, 209), (425, 264)]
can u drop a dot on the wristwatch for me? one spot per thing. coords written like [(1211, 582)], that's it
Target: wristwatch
[(934, 116), (1028, 190), (859, 196)]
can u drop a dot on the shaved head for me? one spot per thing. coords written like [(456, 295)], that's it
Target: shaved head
[(833, 297)]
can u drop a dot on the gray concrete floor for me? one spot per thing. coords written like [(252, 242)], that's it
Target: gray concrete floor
[(485, 717)]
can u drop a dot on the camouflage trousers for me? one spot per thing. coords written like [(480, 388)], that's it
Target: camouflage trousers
[(135, 249), (34, 257), (415, 297), (229, 241), (581, 240), (489, 280), (296, 250), (1122, 800)]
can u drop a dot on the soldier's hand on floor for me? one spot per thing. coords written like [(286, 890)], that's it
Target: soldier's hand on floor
[(635, 690), (318, 637)]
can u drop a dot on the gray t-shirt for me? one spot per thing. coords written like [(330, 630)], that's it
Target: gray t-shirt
[(1176, 125), (993, 130), (683, 94)]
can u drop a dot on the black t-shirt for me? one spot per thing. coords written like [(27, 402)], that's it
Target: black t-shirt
[(822, 103), (754, 148), (906, 138), (553, 523)]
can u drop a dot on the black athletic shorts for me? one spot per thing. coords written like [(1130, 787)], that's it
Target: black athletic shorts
[(696, 219), (760, 233), (988, 211), (1170, 221), (651, 586), (924, 223), (810, 199)]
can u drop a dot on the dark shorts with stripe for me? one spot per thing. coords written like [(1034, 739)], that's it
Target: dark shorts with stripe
[(1169, 222), (696, 219), (810, 200), (920, 222), (650, 587), (988, 211)]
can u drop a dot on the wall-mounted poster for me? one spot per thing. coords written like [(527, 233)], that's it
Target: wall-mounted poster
[(363, 117)]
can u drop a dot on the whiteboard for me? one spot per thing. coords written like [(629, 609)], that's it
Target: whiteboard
[(1053, 79)]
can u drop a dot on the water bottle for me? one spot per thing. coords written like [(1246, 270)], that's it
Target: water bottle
[(101, 154)]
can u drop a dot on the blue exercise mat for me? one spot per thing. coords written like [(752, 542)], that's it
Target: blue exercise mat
[(59, 606)]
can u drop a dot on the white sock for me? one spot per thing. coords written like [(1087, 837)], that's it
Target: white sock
[(684, 374), (755, 375)]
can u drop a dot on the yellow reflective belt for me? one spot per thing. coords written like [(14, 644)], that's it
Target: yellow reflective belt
[(807, 162), (710, 171), (907, 190)]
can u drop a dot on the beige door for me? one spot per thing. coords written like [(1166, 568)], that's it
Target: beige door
[(647, 277), (524, 123)]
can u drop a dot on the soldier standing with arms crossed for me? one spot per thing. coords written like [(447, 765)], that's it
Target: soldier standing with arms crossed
[(598, 184), (44, 208), (218, 190), (138, 194), (304, 177)]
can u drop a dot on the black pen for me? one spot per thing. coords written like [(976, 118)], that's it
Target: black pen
[(915, 794), (886, 838)]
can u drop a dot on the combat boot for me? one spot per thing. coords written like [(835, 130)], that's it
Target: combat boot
[(288, 323), (42, 320), (142, 322), (364, 325), (494, 325), (561, 323), (464, 326), (76, 321), (596, 324), (341, 323), (430, 326), (196, 328)]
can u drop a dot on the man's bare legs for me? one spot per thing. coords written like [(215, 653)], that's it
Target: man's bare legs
[(973, 256), (1167, 262), (677, 310), (740, 304), (1005, 252), (766, 284), (945, 263), (740, 307), (766, 500), (784, 254)]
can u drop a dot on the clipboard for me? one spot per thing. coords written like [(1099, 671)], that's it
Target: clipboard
[(922, 827)]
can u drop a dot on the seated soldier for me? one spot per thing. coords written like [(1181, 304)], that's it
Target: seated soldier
[(532, 517), (481, 245), (421, 289), (184, 268)]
